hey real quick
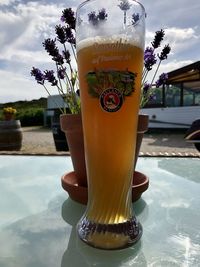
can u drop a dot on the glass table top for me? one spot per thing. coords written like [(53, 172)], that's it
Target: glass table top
[(38, 219)]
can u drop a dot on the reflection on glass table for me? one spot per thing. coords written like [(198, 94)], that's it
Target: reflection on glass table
[(38, 220)]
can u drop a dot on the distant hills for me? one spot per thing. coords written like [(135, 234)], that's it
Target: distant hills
[(35, 103)]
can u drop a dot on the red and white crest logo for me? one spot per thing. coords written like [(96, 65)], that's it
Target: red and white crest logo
[(111, 100)]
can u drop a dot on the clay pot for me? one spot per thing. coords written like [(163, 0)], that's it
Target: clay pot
[(71, 125), (69, 183), (143, 121)]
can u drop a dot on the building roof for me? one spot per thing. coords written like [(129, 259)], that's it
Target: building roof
[(189, 73)]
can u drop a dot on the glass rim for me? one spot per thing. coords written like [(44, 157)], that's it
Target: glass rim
[(86, 1)]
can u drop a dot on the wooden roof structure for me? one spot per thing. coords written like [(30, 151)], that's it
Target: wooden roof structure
[(189, 73), (189, 76)]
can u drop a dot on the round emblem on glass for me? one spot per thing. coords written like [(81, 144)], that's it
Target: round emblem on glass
[(111, 100)]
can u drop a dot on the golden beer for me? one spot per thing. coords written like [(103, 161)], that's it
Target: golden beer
[(109, 43), (109, 137)]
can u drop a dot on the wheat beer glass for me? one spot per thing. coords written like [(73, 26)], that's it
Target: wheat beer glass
[(110, 42)]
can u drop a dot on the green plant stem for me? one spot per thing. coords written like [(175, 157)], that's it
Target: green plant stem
[(69, 62), (73, 93), (144, 75), (59, 78), (73, 51), (124, 17), (155, 72), (62, 111), (69, 83), (61, 93)]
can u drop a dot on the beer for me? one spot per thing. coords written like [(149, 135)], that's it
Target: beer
[(109, 134), (109, 43)]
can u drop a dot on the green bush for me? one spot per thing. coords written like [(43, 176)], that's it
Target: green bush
[(30, 113), (30, 116)]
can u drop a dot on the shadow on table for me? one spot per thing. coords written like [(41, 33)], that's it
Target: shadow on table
[(80, 254)]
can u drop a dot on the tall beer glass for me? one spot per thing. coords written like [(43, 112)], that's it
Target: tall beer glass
[(110, 42)]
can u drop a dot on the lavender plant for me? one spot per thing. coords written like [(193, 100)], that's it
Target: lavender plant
[(151, 59), (124, 6), (64, 77), (96, 18)]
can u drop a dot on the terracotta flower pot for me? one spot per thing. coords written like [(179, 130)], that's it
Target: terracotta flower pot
[(143, 121), (80, 193), (71, 125)]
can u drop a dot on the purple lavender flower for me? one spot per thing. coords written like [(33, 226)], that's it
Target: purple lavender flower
[(61, 73), (60, 31), (50, 47), (59, 59), (66, 56), (102, 14), (149, 58), (162, 79), (159, 35), (69, 35), (124, 5), (164, 53), (39, 76), (94, 19), (50, 77), (62, 18), (64, 33), (146, 88), (68, 17), (135, 18)]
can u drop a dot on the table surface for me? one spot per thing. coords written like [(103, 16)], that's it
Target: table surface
[(38, 220)]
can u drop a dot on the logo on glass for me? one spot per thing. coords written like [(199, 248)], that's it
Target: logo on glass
[(111, 87), (111, 100)]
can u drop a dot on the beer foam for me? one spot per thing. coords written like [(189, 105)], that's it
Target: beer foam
[(112, 41)]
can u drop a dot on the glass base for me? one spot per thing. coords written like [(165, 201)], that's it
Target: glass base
[(110, 236)]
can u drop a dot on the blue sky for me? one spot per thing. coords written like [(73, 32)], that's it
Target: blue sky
[(25, 24)]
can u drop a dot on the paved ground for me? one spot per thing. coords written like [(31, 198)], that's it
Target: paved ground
[(165, 142), (39, 140)]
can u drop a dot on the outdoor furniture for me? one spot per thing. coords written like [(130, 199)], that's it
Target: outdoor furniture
[(38, 220)]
